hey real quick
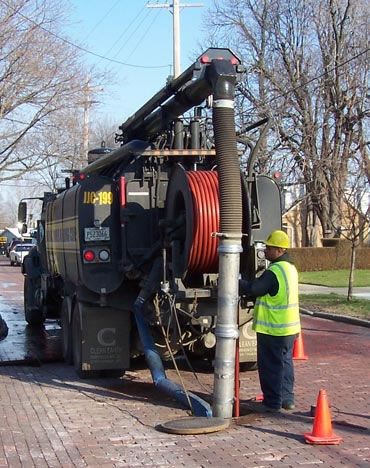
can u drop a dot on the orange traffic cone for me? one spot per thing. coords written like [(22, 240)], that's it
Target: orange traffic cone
[(322, 433), (298, 349)]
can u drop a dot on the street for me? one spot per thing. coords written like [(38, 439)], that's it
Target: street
[(51, 418)]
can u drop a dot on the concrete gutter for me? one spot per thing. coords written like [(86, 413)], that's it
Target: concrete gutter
[(337, 317)]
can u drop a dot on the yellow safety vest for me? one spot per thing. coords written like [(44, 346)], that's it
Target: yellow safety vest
[(279, 315)]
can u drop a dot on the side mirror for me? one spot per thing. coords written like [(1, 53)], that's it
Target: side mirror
[(22, 213), (24, 228)]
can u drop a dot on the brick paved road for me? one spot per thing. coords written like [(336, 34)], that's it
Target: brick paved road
[(50, 418)]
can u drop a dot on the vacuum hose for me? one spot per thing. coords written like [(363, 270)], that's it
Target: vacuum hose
[(228, 168), (198, 406)]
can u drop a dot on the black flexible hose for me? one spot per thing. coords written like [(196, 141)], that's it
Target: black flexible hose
[(231, 212)]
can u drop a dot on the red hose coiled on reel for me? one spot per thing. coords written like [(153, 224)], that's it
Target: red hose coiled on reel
[(204, 189)]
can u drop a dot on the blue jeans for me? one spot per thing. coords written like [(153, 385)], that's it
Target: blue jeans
[(275, 369)]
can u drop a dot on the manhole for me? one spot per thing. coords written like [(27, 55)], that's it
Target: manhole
[(194, 425)]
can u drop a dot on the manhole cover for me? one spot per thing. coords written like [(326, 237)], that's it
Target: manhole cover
[(194, 425)]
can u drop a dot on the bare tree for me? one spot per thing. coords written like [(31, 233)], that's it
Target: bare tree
[(355, 214), (358, 225), (8, 215), (103, 130), (306, 64), (61, 148), (41, 82), (9, 202)]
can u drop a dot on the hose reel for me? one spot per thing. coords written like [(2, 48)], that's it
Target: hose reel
[(193, 214)]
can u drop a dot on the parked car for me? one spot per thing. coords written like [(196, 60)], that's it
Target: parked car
[(11, 246), (19, 252)]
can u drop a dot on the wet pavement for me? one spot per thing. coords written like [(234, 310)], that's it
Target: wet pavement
[(49, 417), (24, 344)]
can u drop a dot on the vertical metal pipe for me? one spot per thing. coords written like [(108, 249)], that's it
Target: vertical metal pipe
[(226, 328), (195, 134), (222, 77), (179, 134)]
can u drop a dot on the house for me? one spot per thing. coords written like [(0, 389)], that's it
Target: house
[(294, 218), (10, 234)]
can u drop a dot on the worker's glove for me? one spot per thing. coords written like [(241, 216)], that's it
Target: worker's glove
[(243, 287)]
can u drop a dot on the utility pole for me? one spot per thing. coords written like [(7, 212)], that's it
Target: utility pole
[(175, 10), (87, 103), (86, 125)]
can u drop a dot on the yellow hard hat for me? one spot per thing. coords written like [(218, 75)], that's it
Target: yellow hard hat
[(278, 239)]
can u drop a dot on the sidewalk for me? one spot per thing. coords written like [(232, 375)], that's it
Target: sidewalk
[(361, 293)]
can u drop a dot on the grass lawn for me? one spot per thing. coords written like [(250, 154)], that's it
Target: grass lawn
[(336, 304), (335, 278)]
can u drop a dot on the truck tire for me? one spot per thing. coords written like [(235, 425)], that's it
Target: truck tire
[(34, 315), (67, 343)]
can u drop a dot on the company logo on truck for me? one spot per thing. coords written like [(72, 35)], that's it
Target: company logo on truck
[(106, 337)]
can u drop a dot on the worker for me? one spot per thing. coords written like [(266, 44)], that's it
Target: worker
[(277, 324)]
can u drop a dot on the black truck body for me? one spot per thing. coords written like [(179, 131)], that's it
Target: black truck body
[(146, 217)]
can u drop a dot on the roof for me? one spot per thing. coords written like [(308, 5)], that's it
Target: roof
[(14, 232)]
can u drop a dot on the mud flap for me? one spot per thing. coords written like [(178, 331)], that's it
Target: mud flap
[(105, 338)]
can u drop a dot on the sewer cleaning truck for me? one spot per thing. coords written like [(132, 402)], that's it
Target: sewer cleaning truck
[(141, 251)]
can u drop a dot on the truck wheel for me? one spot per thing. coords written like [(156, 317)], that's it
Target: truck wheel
[(77, 345), (67, 343), (34, 316)]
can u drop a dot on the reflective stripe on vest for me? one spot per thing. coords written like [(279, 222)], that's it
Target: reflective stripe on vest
[(279, 314)]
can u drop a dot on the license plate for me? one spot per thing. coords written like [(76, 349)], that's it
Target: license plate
[(97, 234)]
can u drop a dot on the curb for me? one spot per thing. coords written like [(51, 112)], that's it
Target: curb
[(336, 317)]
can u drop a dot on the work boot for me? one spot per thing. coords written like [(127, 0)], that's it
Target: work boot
[(258, 407), (288, 405)]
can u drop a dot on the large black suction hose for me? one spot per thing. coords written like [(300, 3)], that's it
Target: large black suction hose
[(231, 211), (189, 400), (222, 76)]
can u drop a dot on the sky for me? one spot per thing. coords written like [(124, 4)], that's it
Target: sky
[(129, 32)]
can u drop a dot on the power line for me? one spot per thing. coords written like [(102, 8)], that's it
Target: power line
[(83, 49), (124, 33), (174, 7), (135, 30), (98, 23), (144, 34)]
